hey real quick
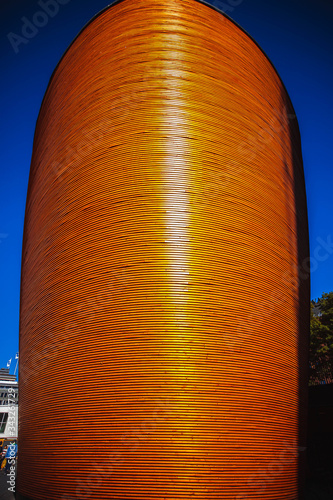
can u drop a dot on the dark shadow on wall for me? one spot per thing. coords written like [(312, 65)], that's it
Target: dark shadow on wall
[(302, 298), (315, 439), (319, 484)]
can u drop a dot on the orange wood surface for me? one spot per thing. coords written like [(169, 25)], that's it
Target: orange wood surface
[(164, 305)]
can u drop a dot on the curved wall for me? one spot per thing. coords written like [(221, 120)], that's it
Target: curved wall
[(164, 305)]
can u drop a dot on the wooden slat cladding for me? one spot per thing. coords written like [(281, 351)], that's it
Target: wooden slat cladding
[(164, 313)]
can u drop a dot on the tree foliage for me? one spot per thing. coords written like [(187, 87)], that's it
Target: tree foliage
[(321, 340)]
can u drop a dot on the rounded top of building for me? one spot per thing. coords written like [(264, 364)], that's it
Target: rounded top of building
[(165, 4)]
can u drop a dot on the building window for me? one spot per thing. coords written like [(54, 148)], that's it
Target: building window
[(3, 421)]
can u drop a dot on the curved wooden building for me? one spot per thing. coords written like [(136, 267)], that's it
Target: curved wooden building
[(164, 307)]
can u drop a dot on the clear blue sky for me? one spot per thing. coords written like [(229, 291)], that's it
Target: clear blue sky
[(296, 35)]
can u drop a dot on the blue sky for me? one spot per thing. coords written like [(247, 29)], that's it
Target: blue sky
[(296, 35)]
